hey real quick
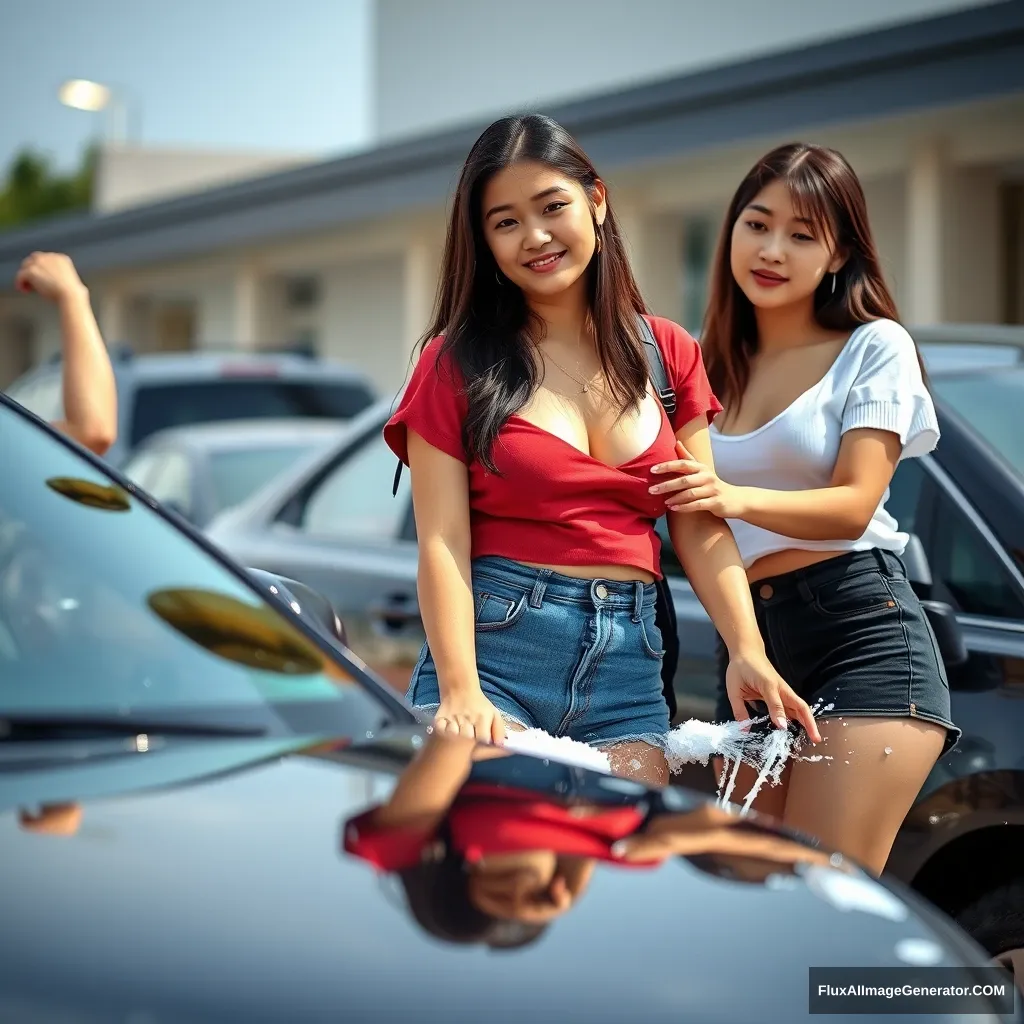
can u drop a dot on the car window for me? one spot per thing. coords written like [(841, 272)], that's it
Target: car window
[(238, 472), (991, 404), (106, 607), (354, 500), (182, 403), (170, 480), (142, 467), (965, 569)]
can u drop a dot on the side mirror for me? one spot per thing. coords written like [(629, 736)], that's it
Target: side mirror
[(948, 634), (307, 603)]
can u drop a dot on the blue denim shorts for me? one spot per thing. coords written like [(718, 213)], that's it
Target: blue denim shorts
[(574, 657)]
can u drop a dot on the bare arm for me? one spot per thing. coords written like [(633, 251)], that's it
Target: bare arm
[(90, 396), (427, 788), (440, 494), (707, 551), (708, 554), (864, 468)]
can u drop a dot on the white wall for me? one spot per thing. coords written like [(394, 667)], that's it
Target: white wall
[(132, 176), (441, 62), (363, 318)]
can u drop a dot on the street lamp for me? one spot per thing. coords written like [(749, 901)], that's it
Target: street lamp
[(83, 94)]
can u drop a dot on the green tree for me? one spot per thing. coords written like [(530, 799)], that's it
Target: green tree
[(32, 190)]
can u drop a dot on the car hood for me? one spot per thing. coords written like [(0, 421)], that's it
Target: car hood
[(234, 892)]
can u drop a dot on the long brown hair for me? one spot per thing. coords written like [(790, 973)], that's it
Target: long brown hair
[(826, 190), (485, 319)]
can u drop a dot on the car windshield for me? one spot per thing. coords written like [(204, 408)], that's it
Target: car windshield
[(238, 472), (179, 404), (993, 404), (108, 609)]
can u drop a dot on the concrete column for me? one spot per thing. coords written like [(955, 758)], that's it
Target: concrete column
[(926, 233), (247, 306), (110, 313), (422, 259), (654, 247)]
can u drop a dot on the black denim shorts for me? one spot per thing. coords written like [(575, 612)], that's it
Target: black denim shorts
[(849, 635)]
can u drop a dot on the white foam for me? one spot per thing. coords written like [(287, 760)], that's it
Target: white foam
[(557, 748)]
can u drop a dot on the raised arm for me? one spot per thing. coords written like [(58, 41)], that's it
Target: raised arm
[(90, 396)]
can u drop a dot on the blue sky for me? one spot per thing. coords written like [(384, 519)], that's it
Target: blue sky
[(290, 75)]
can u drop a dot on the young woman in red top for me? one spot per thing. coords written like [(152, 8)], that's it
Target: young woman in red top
[(531, 431)]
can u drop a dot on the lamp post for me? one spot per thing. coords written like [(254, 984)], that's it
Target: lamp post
[(83, 94)]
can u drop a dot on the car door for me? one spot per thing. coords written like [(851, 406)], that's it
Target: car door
[(347, 536), (973, 573)]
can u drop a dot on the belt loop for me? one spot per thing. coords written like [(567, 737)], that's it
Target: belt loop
[(803, 588), (883, 562), (638, 600), (537, 594)]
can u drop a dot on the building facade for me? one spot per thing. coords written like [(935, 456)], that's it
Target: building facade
[(341, 256)]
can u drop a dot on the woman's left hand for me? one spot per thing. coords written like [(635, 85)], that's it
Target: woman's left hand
[(695, 488)]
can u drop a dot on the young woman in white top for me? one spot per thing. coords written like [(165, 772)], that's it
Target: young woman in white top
[(823, 394)]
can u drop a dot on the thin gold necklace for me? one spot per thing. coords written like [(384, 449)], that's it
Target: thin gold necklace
[(584, 385)]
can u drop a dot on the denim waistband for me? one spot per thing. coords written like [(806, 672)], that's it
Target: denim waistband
[(801, 582), (541, 583)]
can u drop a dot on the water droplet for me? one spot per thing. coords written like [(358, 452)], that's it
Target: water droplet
[(888, 750)]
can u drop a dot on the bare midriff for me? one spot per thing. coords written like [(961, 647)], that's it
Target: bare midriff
[(779, 562), (619, 573)]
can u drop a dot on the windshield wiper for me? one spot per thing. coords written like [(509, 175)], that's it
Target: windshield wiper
[(27, 728)]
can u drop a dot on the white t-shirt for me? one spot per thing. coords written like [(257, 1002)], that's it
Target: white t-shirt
[(875, 382)]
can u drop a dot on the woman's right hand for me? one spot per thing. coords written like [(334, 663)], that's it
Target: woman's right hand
[(470, 713)]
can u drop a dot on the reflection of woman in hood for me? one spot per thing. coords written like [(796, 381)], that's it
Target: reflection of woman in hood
[(484, 862), (481, 862)]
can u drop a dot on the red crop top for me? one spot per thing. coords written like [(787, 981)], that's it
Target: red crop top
[(554, 504), (485, 820)]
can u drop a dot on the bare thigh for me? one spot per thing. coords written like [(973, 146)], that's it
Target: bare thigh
[(640, 761), (856, 802)]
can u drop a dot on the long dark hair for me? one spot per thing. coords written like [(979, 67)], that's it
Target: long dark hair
[(437, 897), (826, 190), (486, 322)]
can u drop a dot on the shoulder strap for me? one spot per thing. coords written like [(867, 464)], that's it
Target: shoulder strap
[(656, 368)]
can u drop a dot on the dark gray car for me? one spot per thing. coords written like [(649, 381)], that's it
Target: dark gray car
[(187, 767), (336, 526)]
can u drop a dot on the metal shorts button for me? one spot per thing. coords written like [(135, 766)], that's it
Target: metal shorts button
[(766, 591), (601, 590)]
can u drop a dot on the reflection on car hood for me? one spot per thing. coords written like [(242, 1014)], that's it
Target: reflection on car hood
[(282, 891)]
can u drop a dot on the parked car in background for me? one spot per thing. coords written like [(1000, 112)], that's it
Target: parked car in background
[(335, 525), (203, 469), (157, 391), (186, 762)]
